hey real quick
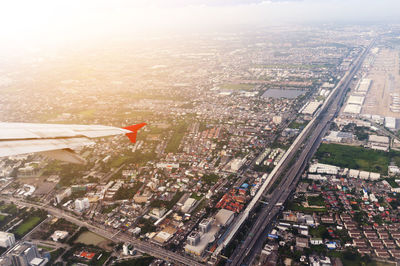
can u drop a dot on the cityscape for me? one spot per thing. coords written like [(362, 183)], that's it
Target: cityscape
[(269, 145)]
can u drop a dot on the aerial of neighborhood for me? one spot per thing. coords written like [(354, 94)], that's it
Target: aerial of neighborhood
[(270, 146)]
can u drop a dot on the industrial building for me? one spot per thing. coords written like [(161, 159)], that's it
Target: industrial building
[(188, 205), (352, 109), (338, 136), (363, 86), (359, 100), (324, 169), (390, 122), (311, 107), (378, 142)]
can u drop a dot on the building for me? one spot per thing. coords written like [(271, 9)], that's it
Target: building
[(188, 205), (157, 213), (6, 239), (277, 119), (324, 169), (393, 170), (59, 235), (23, 254), (162, 237), (82, 204), (205, 225), (337, 136), (193, 238), (60, 196), (168, 165), (224, 217), (236, 164), (316, 241), (359, 100), (363, 86), (352, 109), (302, 242), (378, 142), (353, 173), (390, 122), (311, 107), (374, 176)]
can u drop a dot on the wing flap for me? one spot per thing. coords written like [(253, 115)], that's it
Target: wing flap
[(15, 147), (21, 131)]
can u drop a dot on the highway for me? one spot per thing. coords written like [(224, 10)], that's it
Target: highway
[(309, 139), (142, 246)]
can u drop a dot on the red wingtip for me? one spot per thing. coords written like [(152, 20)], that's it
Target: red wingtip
[(134, 129)]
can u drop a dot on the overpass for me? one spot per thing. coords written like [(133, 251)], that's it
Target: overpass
[(311, 138)]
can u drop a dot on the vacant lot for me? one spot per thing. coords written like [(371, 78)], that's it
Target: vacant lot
[(354, 157)]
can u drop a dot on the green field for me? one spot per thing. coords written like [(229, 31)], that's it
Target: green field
[(297, 125), (175, 141), (316, 201), (89, 238), (196, 196), (353, 157), (119, 161), (297, 207), (27, 225), (9, 208), (142, 261), (231, 86)]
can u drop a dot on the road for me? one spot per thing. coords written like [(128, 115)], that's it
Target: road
[(142, 246), (310, 139)]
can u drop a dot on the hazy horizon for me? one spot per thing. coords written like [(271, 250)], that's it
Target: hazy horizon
[(62, 21)]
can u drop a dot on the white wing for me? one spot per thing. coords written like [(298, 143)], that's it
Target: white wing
[(55, 140)]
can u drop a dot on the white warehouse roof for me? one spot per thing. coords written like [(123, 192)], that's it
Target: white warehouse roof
[(364, 85), (311, 107), (356, 100), (390, 122), (352, 109)]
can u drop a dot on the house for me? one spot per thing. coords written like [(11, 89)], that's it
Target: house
[(316, 241), (327, 219), (302, 242), (382, 253)]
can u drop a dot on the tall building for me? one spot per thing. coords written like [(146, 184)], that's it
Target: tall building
[(193, 239), (82, 204), (6, 239), (205, 225), (23, 254)]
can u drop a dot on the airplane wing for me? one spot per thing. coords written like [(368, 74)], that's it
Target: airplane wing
[(56, 140)]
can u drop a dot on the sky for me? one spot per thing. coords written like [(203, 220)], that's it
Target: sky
[(26, 21)]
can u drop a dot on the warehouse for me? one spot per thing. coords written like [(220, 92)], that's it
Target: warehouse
[(352, 109), (364, 85), (311, 108), (390, 122), (356, 100)]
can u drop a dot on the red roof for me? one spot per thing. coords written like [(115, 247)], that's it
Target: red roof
[(87, 255)]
